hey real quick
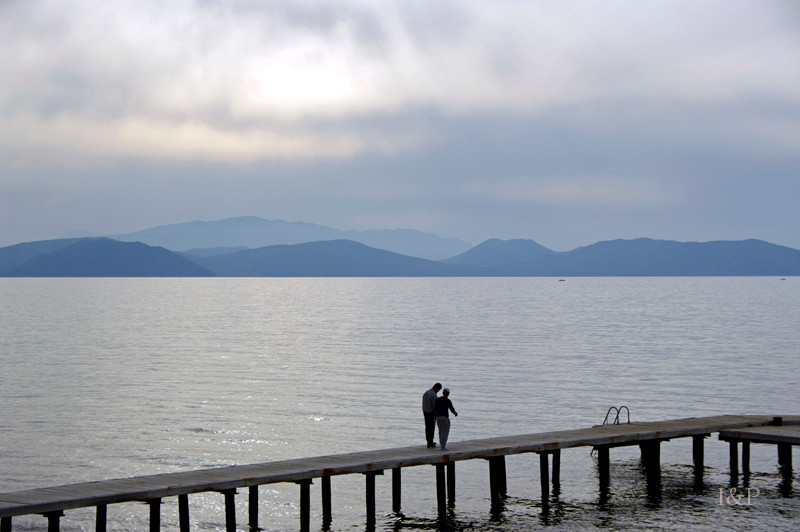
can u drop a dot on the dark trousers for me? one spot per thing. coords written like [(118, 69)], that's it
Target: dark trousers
[(430, 426)]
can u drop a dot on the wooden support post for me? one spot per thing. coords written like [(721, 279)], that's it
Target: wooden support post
[(651, 457), (493, 489), (654, 464), (497, 478), (252, 508), (326, 501), (494, 483), (371, 497), (155, 514), (544, 479), (305, 505), (5, 524), (734, 458), (230, 510), (396, 489), (53, 520), (451, 483), (698, 443), (785, 456), (746, 458), (441, 492), (647, 453), (102, 516), (556, 469), (183, 512), (603, 465), (501, 471)]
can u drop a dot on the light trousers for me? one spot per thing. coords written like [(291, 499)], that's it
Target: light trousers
[(444, 431)]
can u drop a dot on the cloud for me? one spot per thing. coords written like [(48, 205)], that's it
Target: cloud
[(181, 140), (199, 78), (608, 191)]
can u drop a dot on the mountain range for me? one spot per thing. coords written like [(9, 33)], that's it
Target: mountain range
[(104, 257), (95, 257), (223, 236)]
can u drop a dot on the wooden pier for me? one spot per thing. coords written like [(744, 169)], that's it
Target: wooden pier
[(782, 432), (51, 502)]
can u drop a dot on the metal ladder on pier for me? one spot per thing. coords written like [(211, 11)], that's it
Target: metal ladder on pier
[(616, 418), (614, 421)]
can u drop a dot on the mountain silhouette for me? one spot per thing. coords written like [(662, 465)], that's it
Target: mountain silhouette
[(12, 257), (648, 257), (494, 252), (330, 258), (252, 232), (104, 257)]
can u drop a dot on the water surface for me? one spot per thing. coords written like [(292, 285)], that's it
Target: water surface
[(105, 378)]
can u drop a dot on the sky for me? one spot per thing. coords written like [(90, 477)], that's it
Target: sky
[(566, 122)]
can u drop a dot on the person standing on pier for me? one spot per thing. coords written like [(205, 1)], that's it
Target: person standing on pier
[(443, 407), (428, 403)]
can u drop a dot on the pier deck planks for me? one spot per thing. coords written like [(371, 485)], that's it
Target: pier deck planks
[(789, 434), (57, 498)]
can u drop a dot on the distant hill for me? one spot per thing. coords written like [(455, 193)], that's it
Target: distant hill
[(494, 252), (209, 252), (648, 257), (104, 257), (12, 257), (330, 258), (253, 232), (339, 258)]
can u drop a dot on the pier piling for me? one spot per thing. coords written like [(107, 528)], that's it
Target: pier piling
[(183, 512), (327, 515), (556, 476), (451, 483), (698, 444), (230, 509), (785, 456), (252, 508), (53, 520), (746, 459), (544, 479), (101, 518), (603, 466), (397, 487), (305, 504), (733, 453), (651, 457), (155, 514), (497, 478), (371, 496), (441, 492)]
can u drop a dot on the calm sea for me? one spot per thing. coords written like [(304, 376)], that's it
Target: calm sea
[(106, 378)]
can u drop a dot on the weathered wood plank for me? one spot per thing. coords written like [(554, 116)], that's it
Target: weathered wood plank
[(770, 434)]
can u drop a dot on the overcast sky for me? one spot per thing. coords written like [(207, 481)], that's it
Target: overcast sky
[(566, 122)]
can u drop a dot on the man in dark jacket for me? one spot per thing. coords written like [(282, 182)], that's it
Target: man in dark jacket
[(443, 407), (428, 403)]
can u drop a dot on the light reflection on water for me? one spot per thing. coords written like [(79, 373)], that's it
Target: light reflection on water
[(105, 378)]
